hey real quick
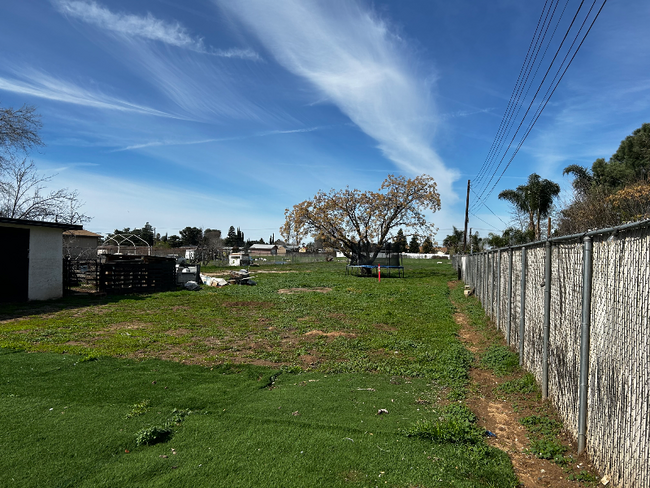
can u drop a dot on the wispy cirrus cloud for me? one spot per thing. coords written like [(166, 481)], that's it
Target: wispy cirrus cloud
[(43, 85), (145, 27), (358, 64), (168, 142)]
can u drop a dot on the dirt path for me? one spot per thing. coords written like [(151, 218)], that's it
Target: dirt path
[(500, 414)]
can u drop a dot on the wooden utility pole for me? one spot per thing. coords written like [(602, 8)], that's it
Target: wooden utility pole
[(466, 220), (548, 231), (471, 244)]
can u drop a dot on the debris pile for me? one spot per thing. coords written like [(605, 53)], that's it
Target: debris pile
[(241, 277), (212, 281)]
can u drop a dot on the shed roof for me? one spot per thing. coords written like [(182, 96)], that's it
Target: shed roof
[(40, 223), (81, 233)]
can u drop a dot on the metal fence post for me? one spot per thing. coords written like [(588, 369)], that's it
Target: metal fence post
[(584, 342), (492, 289), (486, 262), (499, 290), (522, 306), (483, 280), (509, 296), (547, 318)]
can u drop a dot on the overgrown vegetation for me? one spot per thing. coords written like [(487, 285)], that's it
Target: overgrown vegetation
[(610, 192)]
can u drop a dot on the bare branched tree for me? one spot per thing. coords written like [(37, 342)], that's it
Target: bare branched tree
[(18, 132), (23, 191)]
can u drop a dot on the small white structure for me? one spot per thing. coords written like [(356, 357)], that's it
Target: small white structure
[(239, 259), (32, 268)]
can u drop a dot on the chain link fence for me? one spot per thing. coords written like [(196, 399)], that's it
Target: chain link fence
[(577, 309)]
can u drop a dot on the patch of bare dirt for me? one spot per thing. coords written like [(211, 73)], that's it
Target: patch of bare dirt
[(336, 333), (309, 360), (291, 291), (501, 417), (308, 318)]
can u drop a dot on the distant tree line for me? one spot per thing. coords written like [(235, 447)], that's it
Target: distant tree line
[(191, 236)]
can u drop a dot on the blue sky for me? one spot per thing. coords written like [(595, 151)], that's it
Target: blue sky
[(215, 113)]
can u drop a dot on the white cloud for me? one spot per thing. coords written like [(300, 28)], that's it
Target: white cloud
[(145, 27), (168, 142), (359, 65), (43, 85)]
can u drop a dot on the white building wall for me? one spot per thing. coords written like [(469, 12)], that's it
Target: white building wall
[(45, 263)]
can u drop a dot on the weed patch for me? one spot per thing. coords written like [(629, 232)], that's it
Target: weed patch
[(454, 424), (524, 385), (500, 360), (139, 408), (153, 435)]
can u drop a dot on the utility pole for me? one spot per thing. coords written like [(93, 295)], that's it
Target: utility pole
[(466, 220), (471, 244), (548, 231)]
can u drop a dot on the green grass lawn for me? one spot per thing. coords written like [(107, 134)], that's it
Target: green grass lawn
[(246, 385)]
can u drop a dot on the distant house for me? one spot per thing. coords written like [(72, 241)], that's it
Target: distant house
[(80, 244), (263, 250), (32, 266)]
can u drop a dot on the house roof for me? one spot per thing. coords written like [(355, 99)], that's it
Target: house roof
[(40, 223), (266, 247), (81, 233)]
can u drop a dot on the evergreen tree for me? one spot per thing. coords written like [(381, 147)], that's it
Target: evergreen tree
[(427, 246), (240, 241), (191, 236), (414, 245), (231, 239), (400, 244)]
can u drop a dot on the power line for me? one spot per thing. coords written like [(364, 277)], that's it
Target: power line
[(483, 203), (535, 96), (485, 222), (488, 166), (524, 72), (547, 96)]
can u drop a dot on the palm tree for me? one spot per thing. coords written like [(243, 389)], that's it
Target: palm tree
[(535, 199), (454, 242), (582, 178)]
